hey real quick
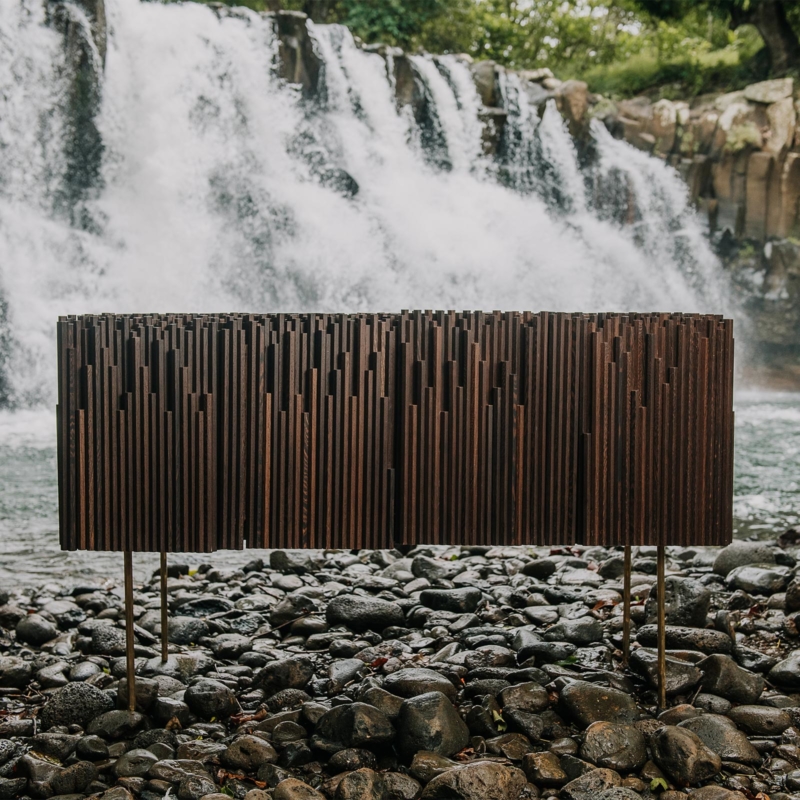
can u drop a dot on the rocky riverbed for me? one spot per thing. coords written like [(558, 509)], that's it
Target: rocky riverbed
[(472, 673)]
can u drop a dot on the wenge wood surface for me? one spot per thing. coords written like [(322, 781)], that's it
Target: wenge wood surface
[(191, 433)]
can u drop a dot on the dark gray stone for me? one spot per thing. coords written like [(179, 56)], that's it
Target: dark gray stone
[(287, 673), (364, 613), (211, 699), (135, 763), (36, 630), (683, 755), (430, 722), (414, 681), (761, 720), (686, 602), (187, 630), (249, 753), (681, 675), (759, 579), (116, 724), (739, 554), (591, 784), (591, 702), (75, 704), (786, 673), (352, 725), (683, 638), (14, 672), (484, 780), (724, 677), (581, 631), (530, 697), (723, 737), (460, 601), (614, 746)]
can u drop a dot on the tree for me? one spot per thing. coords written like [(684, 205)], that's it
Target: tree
[(769, 17)]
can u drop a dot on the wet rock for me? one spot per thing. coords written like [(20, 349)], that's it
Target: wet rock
[(363, 784), (134, 764), (91, 748), (116, 724), (683, 638), (459, 601), (756, 579), (530, 697), (544, 769), (740, 554), (352, 725), (430, 722), (293, 789), (12, 788), (181, 666), (300, 562), (761, 720), (683, 755), (786, 673), (175, 770), (146, 693), (249, 753), (364, 613), (211, 699), (614, 746), (287, 673), (681, 675), (351, 759), (414, 681), (292, 607), (589, 785), (186, 630), (724, 677), (75, 704), (686, 602), (74, 779), (582, 631), (723, 737), (712, 703), (195, 787), (397, 786), (589, 702), (434, 569), (36, 630), (483, 780), (14, 672)]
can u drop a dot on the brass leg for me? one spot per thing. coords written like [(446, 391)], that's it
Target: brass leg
[(662, 629), (164, 610), (626, 608), (131, 665)]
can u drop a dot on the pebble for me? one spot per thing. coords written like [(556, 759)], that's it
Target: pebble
[(683, 755), (448, 673)]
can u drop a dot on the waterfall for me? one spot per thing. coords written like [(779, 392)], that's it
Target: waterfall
[(222, 187)]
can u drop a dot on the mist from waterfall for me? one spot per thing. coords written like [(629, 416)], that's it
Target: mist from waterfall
[(222, 188)]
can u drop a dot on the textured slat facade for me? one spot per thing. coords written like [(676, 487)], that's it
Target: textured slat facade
[(191, 433)]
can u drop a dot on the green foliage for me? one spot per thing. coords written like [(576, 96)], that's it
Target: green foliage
[(621, 48), (399, 22), (658, 785)]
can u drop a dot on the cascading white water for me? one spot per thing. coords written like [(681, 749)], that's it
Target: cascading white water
[(213, 194)]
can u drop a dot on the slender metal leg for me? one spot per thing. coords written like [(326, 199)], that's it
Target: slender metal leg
[(626, 608), (662, 629), (164, 610), (131, 665)]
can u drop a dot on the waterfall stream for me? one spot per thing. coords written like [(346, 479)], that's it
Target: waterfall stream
[(222, 188)]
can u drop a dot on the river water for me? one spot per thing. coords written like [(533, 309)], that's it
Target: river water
[(212, 195), (767, 493)]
